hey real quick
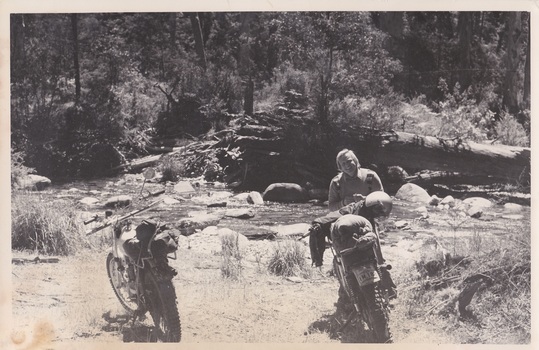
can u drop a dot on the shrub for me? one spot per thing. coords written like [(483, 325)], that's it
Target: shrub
[(231, 265), (44, 226), (288, 259), (171, 169), (18, 169), (510, 132)]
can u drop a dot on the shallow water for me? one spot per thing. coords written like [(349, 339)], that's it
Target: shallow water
[(495, 221)]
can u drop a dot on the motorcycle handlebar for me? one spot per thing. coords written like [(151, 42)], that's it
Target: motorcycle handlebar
[(154, 194), (94, 218), (121, 218)]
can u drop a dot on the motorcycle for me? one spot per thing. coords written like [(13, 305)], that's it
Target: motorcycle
[(138, 269), (360, 276)]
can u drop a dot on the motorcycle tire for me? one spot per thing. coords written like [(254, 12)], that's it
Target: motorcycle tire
[(376, 313), (120, 284), (161, 303)]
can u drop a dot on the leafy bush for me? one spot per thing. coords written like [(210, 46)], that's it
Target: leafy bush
[(231, 264), (171, 169), (461, 116), (288, 259), (510, 132), (44, 226), (18, 169), (380, 113)]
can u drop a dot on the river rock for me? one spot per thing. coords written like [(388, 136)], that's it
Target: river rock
[(212, 197), (118, 201), (88, 200), (290, 230), (475, 212), (512, 207), (413, 193), (169, 200), (242, 197), (184, 187), (423, 211), (285, 192), (401, 224), (240, 213), (189, 225), (448, 200), (478, 202), (33, 182), (255, 198)]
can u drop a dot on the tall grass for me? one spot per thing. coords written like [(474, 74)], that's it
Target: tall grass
[(231, 264), (45, 226), (288, 259), (500, 308)]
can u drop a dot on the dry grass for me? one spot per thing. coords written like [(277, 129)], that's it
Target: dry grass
[(288, 259), (231, 264), (499, 311), (45, 226)]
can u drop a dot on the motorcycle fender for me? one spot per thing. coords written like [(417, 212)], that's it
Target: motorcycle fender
[(365, 275)]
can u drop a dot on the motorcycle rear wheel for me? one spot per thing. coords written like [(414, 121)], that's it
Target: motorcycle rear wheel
[(161, 302), (376, 313), (120, 284)]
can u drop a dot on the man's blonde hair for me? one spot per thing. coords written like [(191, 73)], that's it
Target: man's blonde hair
[(342, 154)]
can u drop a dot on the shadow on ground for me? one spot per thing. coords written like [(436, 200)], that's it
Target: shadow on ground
[(343, 325), (132, 332)]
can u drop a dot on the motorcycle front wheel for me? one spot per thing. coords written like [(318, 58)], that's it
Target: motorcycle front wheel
[(124, 289), (161, 302)]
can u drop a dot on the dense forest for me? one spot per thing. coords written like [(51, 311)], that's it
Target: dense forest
[(82, 83)]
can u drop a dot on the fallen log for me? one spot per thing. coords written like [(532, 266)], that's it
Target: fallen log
[(410, 151)]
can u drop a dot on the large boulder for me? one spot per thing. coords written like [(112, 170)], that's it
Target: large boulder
[(33, 182), (285, 192), (118, 201), (413, 193), (478, 202)]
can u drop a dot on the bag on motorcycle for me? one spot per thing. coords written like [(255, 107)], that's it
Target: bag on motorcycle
[(139, 244), (146, 230), (164, 243)]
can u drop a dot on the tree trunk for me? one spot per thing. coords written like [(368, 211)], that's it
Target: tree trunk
[(514, 40), (411, 151), (245, 63), (527, 71), (392, 23), (465, 35), (74, 25), (199, 44)]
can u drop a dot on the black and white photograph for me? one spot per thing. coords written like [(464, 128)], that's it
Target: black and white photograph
[(318, 175)]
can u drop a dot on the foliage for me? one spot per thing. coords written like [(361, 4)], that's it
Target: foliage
[(501, 267), (231, 264), (461, 116), (288, 259), (171, 169), (144, 71), (510, 132), (51, 228), (18, 169)]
